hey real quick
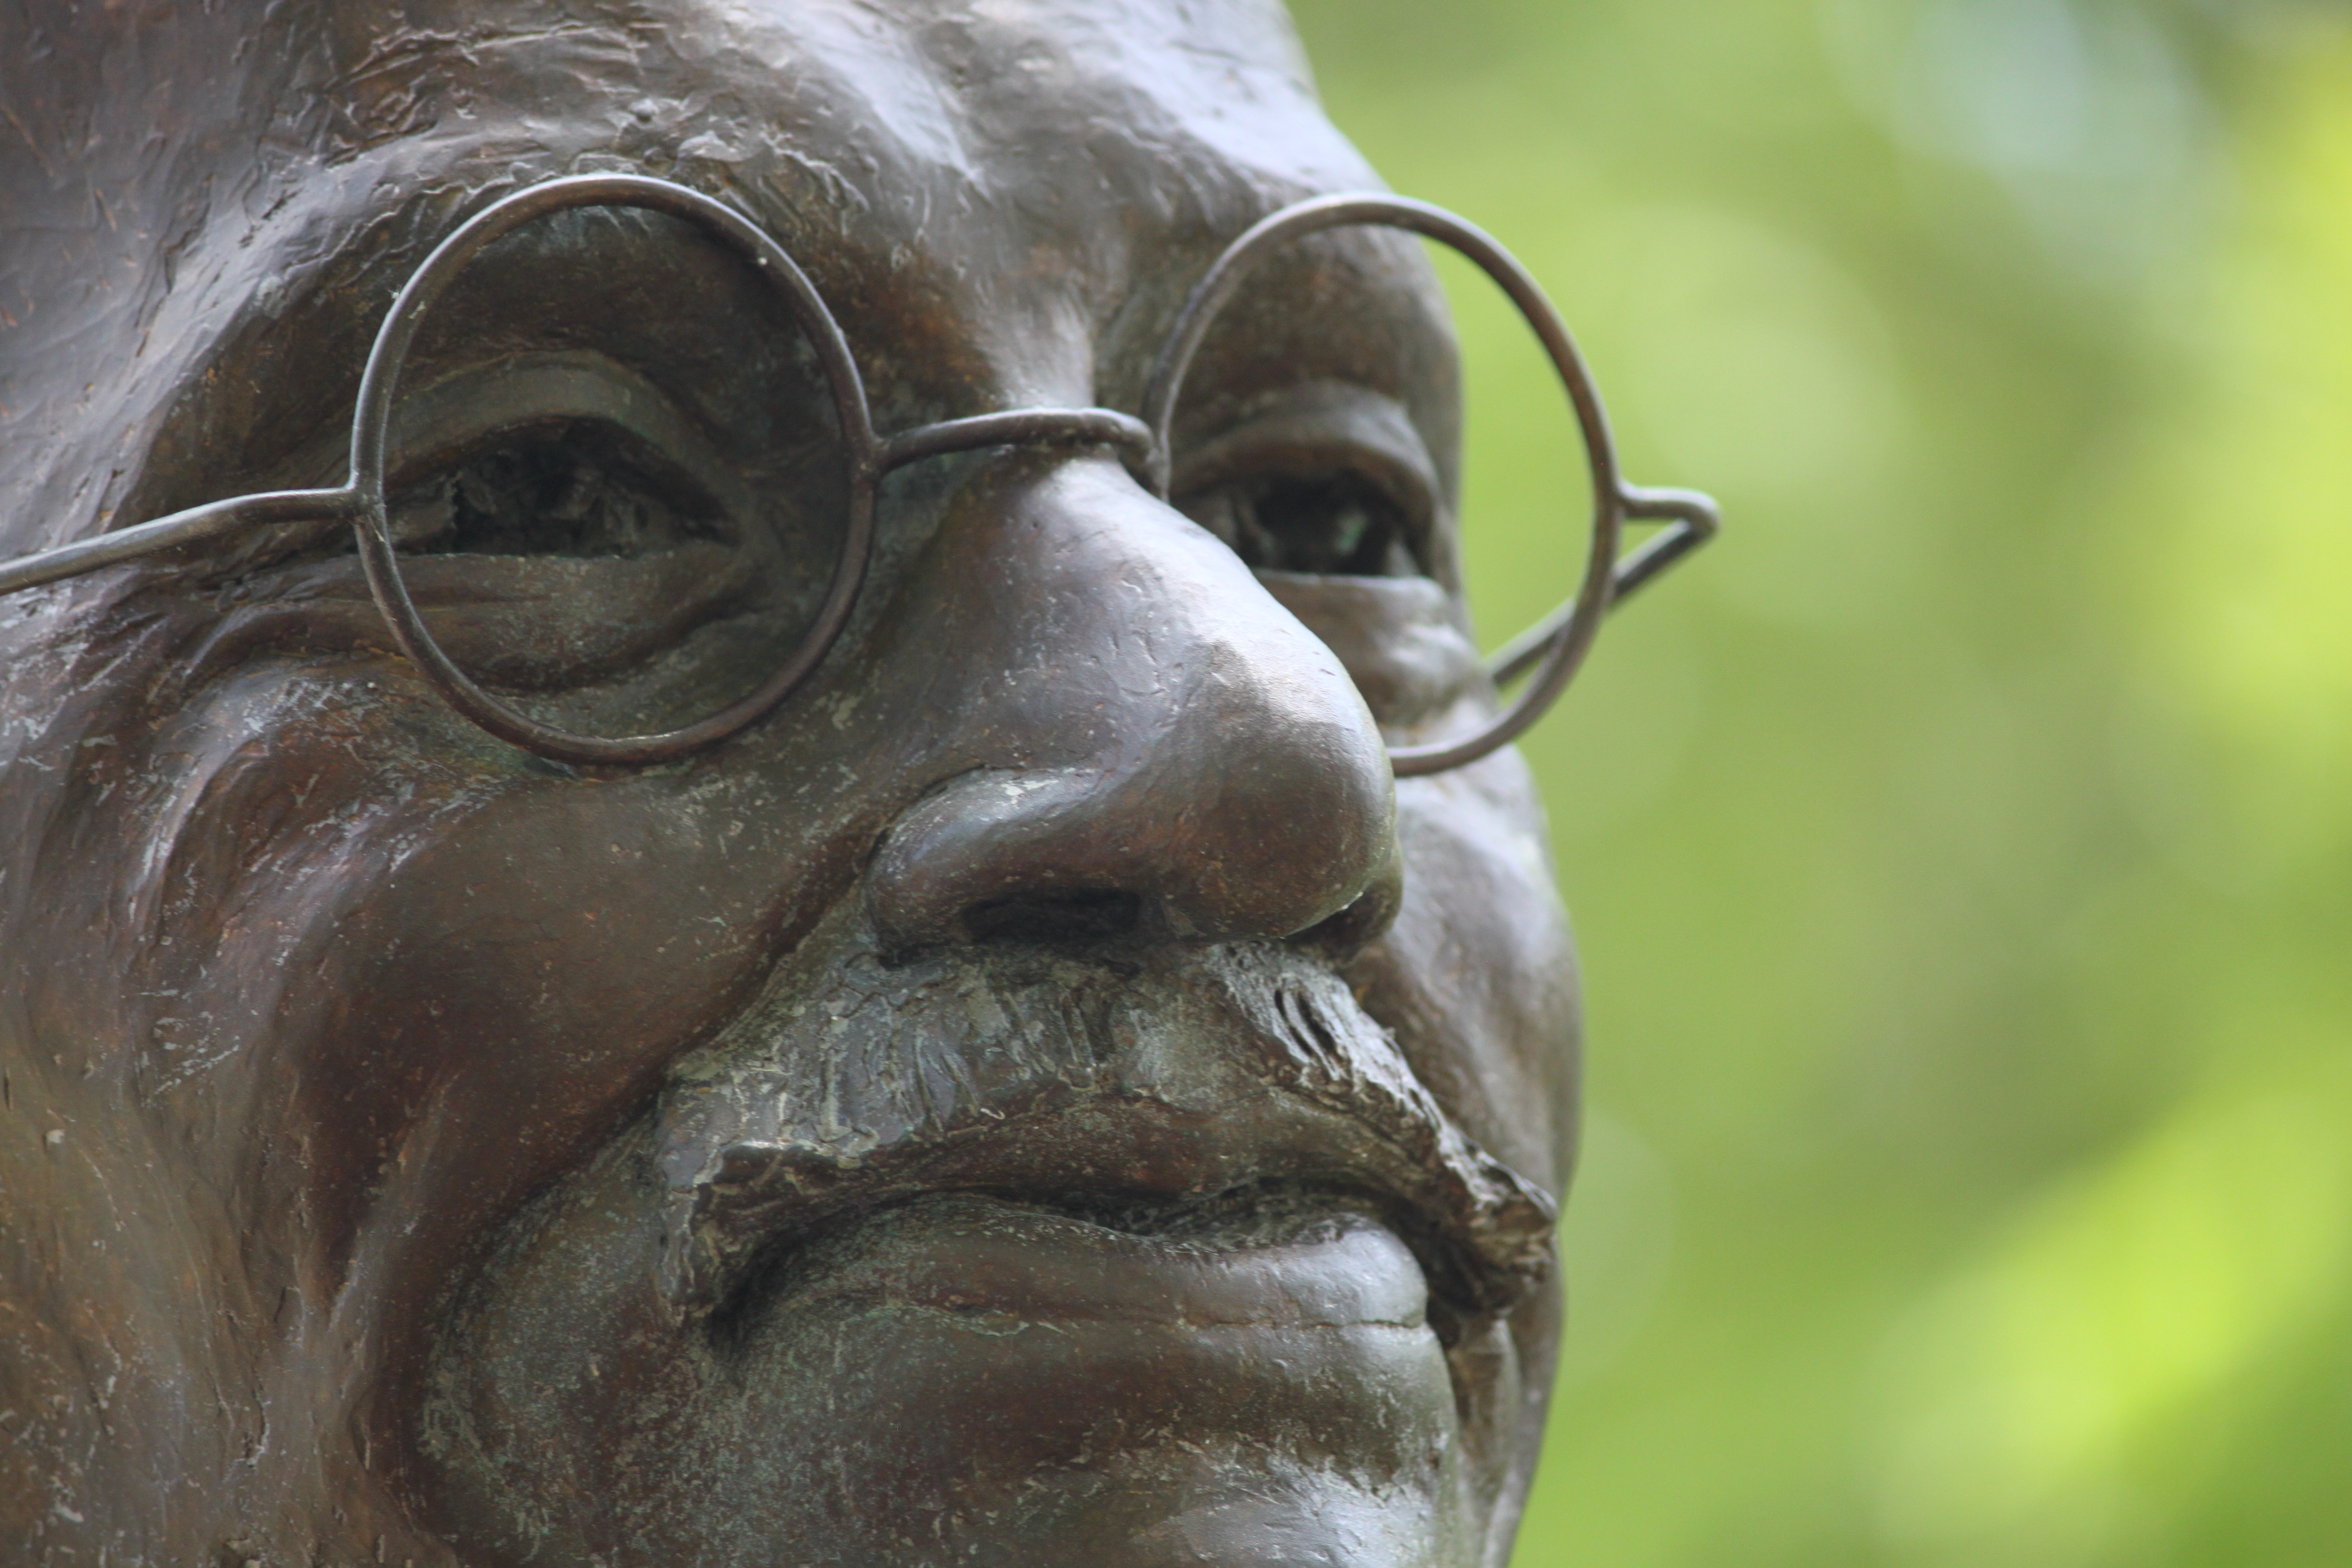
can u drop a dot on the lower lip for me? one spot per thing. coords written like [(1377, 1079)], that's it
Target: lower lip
[(1265, 1392), (977, 1260)]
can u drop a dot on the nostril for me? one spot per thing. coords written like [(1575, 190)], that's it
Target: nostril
[(1055, 917), (1343, 936)]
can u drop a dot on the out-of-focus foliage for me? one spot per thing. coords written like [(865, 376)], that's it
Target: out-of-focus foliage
[(1963, 848)]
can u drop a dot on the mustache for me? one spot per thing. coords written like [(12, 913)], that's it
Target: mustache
[(1165, 1075)]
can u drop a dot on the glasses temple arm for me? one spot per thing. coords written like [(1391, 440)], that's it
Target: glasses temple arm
[(214, 520)]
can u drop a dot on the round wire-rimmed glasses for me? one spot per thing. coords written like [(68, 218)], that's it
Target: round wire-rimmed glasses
[(1547, 655)]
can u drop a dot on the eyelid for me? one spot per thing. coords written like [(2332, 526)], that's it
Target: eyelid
[(1319, 426), (438, 425)]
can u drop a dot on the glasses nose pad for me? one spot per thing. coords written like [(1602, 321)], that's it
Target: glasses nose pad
[(1137, 444)]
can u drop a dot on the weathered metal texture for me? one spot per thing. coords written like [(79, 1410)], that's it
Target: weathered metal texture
[(1044, 1080)]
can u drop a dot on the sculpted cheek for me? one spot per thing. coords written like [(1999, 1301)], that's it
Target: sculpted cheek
[(1477, 975), (524, 978), (364, 951)]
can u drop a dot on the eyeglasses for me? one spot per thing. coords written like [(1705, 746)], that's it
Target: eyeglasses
[(1546, 656)]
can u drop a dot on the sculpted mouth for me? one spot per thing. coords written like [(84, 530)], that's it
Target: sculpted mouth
[(1282, 1262), (1156, 1109), (1157, 1255)]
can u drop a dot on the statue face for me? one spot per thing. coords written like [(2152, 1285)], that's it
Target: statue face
[(1045, 1095)]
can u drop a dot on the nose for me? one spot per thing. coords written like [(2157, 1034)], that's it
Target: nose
[(1146, 738)]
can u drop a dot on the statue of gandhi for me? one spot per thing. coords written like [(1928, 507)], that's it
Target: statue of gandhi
[(748, 819)]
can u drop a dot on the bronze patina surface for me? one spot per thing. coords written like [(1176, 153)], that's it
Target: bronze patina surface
[(1070, 1059)]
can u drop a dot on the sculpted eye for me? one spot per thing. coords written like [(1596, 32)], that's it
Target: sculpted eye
[(1323, 479), (580, 546), (1332, 524), (573, 488)]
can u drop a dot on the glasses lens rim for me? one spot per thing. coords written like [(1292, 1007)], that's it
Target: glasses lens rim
[(370, 435), (1552, 650), (1578, 617)]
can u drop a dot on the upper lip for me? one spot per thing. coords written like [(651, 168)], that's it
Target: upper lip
[(1179, 1073)]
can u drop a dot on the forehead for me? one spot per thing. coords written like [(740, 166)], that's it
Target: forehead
[(1017, 166), (1013, 151), (891, 96), (880, 98)]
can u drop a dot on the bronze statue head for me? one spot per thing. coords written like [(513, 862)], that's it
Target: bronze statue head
[(749, 816)]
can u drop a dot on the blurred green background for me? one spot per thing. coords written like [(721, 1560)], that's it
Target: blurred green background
[(1961, 848)]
